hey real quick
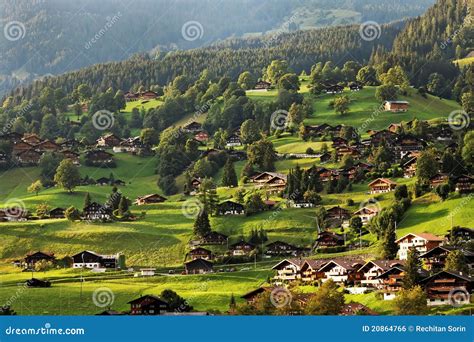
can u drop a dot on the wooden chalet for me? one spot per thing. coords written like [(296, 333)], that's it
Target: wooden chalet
[(329, 239), (325, 157), (148, 305), (438, 179), (262, 85), (464, 183), (251, 296), (57, 213), (338, 141), (230, 208), (21, 147), (192, 127), (148, 95), (68, 154), (366, 214), (391, 281), (272, 182), (423, 242), (435, 258), (355, 86), (406, 144), (89, 259), (31, 138), (381, 185), (342, 270), (357, 309), (70, 144), (47, 146), (241, 248), (196, 183), (409, 168), (310, 270), (32, 258), (377, 137), (280, 248), (29, 157), (200, 253), (214, 238), (130, 97), (372, 269), (233, 141), (108, 140), (440, 287), (337, 213), (460, 234), (96, 212), (99, 158), (287, 270), (198, 266), (396, 106), (132, 145), (149, 199), (333, 89)]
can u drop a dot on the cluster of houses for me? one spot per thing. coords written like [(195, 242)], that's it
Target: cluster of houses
[(142, 96), (387, 275), (202, 136)]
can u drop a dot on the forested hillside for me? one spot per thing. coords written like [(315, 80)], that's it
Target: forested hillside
[(55, 36)]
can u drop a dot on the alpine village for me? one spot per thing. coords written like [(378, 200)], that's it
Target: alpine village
[(315, 173)]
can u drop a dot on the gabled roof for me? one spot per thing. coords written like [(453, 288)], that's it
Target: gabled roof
[(384, 180), (366, 209), (451, 273), (199, 262), (425, 236), (348, 264), (142, 298), (297, 262), (257, 291), (440, 249), (315, 264), (382, 264)]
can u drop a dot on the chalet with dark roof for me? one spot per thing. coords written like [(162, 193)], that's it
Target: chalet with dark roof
[(405, 144), (99, 158), (214, 238), (68, 154), (233, 141), (32, 258), (47, 146), (262, 85), (149, 199), (356, 86), (251, 296), (357, 309), (192, 127), (440, 287), (198, 266), (409, 168), (329, 239), (200, 253), (57, 213), (460, 233), (96, 212), (435, 258), (281, 248), (20, 147), (90, 259), (366, 213), (333, 89), (148, 305), (230, 208), (463, 184), (372, 269), (338, 213), (28, 157), (108, 140), (241, 248), (31, 138), (438, 179)]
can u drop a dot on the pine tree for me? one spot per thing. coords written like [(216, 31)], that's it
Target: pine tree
[(232, 304), (201, 224), (389, 246), (87, 200), (412, 268), (229, 178), (123, 205)]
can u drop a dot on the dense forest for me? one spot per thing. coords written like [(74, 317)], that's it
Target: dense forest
[(56, 35), (301, 49)]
